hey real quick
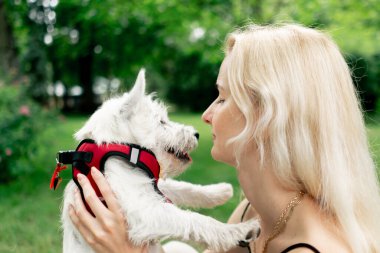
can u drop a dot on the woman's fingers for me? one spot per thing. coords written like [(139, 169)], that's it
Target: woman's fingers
[(106, 232), (90, 196), (105, 189), (82, 228), (82, 219)]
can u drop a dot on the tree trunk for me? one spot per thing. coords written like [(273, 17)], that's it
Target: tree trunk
[(8, 52), (86, 78)]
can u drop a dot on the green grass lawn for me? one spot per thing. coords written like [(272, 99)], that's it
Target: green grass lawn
[(29, 211)]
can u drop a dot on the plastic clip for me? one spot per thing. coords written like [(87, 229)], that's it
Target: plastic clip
[(56, 179)]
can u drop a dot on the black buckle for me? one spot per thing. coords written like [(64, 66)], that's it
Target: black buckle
[(68, 157)]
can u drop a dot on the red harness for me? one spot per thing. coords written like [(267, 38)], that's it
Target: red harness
[(88, 154)]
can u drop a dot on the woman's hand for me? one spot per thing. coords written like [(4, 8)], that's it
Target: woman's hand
[(107, 232)]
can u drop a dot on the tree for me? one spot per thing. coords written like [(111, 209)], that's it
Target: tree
[(178, 42), (8, 52), (28, 23)]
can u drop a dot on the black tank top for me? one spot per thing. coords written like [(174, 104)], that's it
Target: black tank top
[(300, 245), (288, 249)]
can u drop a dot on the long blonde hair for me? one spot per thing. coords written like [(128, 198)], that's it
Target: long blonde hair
[(295, 90)]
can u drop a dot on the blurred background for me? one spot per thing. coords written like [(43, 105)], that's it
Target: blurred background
[(59, 60)]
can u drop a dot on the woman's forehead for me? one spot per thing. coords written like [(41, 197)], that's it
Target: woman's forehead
[(221, 82)]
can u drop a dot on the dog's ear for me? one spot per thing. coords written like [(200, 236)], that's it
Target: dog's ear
[(137, 91)]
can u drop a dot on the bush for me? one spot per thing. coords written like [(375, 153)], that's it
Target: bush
[(21, 123), (366, 75), (191, 87)]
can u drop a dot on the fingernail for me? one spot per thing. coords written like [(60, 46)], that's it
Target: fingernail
[(72, 212), (80, 177), (94, 172)]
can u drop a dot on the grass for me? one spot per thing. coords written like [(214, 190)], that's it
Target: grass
[(29, 210)]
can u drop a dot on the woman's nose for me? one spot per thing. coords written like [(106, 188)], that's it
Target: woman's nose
[(206, 116)]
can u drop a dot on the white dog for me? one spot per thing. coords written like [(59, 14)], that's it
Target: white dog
[(139, 119)]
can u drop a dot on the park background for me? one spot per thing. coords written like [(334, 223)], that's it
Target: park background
[(60, 59)]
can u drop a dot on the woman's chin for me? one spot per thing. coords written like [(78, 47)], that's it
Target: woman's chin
[(221, 157), (215, 154)]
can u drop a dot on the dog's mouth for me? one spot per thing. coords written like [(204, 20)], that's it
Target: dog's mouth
[(181, 155)]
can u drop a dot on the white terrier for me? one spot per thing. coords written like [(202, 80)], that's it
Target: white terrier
[(139, 119)]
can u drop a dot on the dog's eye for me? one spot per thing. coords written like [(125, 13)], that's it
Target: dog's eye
[(162, 122)]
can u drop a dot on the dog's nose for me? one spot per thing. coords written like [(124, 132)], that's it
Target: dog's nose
[(196, 135)]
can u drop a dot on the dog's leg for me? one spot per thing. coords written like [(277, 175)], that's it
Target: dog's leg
[(195, 196), (164, 220), (150, 218)]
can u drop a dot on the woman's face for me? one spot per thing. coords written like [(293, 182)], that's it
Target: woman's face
[(225, 118)]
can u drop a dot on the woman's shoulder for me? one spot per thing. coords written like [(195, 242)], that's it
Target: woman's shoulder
[(308, 225), (311, 225)]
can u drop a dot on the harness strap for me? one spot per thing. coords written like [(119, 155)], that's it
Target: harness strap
[(89, 154)]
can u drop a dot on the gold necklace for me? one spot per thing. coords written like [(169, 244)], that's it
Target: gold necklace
[(282, 220)]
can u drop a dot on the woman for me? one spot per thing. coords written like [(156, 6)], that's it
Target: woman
[(288, 119)]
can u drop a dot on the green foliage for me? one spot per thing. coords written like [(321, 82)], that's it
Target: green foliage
[(21, 121), (178, 42), (366, 76), (189, 90), (29, 27), (116, 38)]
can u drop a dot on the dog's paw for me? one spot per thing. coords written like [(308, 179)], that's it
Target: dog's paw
[(248, 230), (251, 231), (218, 194), (233, 235)]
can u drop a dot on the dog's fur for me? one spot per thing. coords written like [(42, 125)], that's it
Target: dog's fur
[(140, 119)]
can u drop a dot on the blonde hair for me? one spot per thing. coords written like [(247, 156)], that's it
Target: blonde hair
[(295, 90)]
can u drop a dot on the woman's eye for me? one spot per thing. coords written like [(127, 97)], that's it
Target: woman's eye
[(220, 101)]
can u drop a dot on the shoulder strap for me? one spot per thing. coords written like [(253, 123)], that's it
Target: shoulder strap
[(245, 211), (245, 243), (300, 245)]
